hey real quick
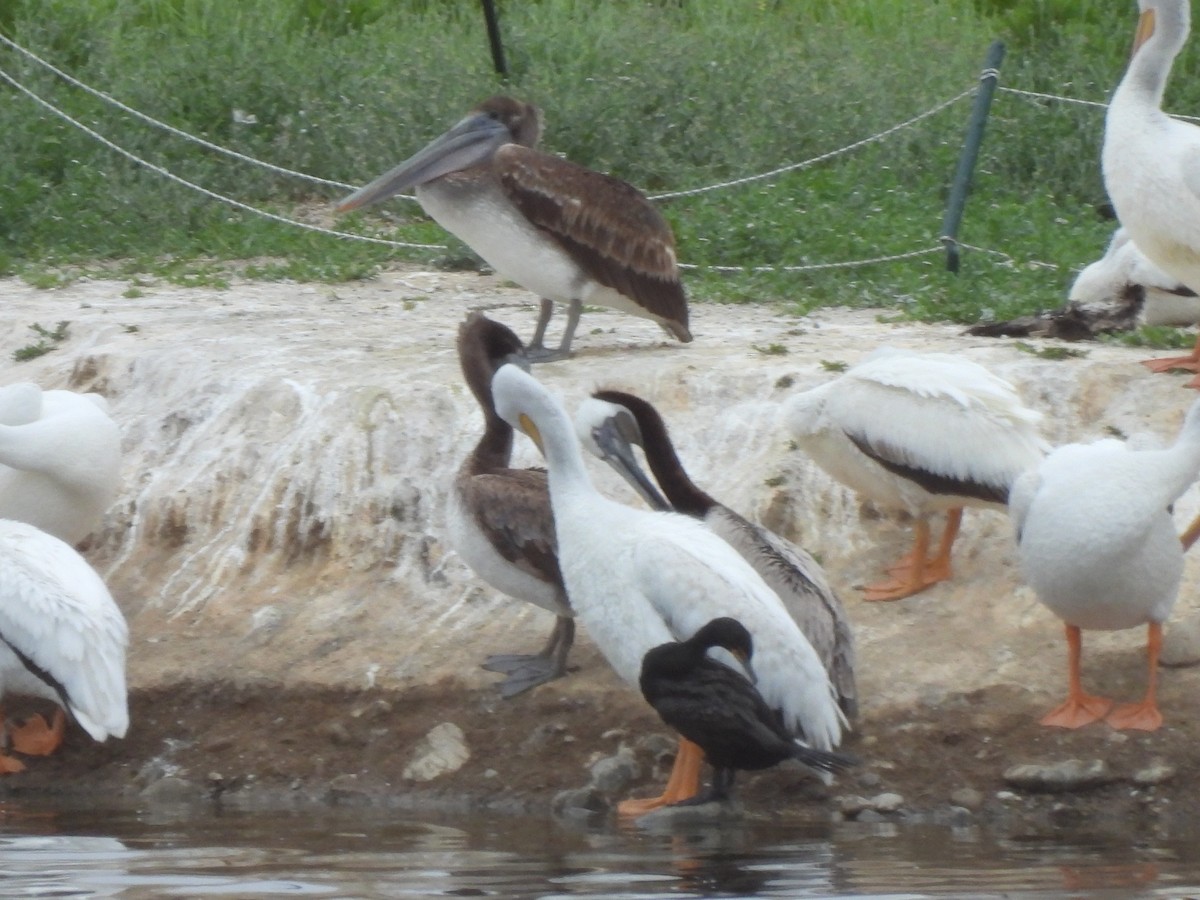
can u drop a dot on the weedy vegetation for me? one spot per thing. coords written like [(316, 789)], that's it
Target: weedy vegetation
[(668, 95)]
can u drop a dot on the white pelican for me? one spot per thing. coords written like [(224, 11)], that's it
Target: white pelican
[(1098, 545), (1124, 273), (60, 459), (638, 579), (499, 518), (920, 432), (62, 638), (566, 233), (610, 421), (1151, 161)]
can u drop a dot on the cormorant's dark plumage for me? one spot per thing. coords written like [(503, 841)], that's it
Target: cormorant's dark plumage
[(718, 709)]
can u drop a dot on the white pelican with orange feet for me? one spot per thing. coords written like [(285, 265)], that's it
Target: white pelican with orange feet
[(923, 433), (609, 422), (1151, 161), (638, 579), (568, 234), (62, 638), (1097, 543)]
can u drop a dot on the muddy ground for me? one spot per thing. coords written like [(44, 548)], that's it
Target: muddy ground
[(293, 644)]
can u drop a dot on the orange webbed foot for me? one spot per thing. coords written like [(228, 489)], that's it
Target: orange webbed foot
[(10, 765), (1137, 716), (1078, 711), (905, 586), (34, 737), (1173, 363)]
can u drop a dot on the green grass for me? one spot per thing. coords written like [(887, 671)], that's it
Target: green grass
[(668, 95)]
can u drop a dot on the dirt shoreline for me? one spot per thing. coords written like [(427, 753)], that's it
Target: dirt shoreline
[(299, 626)]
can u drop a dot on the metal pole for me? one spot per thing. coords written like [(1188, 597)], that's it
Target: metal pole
[(493, 30), (970, 152)]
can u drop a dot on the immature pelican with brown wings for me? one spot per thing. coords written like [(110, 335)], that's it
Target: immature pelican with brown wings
[(568, 234)]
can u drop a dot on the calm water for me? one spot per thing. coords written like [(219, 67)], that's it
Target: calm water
[(128, 854)]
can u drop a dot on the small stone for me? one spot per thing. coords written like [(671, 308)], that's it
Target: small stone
[(587, 800), (967, 798), (1068, 775), (1181, 642), (614, 773), (171, 789), (1006, 796), (870, 779), (886, 802), (347, 785), (1155, 773), (441, 751), (337, 733)]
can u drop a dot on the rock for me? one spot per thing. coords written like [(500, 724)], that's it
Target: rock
[(1155, 773), (585, 800), (668, 818), (967, 798), (1181, 642), (346, 786), (171, 789), (1068, 775), (886, 802), (614, 773), (850, 805), (442, 750)]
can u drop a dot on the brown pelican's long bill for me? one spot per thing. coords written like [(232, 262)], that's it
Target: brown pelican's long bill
[(470, 142), (611, 439)]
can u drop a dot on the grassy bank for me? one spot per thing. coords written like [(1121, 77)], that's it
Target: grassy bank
[(667, 94)]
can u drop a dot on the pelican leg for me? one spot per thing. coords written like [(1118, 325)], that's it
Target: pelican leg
[(1190, 534), (914, 578), (1143, 716), (527, 671), (537, 351), (1078, 709), (38, 738), (1189, 363), (683, 783), (938, 568)]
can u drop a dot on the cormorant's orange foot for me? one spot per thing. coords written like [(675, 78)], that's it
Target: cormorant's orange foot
[(1140, 716), (1173, 363), (37, 738), (631, 809), (10, 765), (1078, 711)]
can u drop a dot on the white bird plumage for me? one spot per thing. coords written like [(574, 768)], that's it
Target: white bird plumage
[(57, 613), (1125, 274), (609, 422), (1098, 545), (919, 432), (60, 459), (1151, 161), (638, 579)]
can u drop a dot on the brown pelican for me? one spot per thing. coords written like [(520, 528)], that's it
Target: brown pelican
[(639, 578), (1151, 161), (499, 518), (1097, 543), (62, 638), (610, 421), (719, 710), (566, 233), (920, 432)]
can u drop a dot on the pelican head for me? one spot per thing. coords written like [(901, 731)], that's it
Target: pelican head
[(608, 431), (497, 121)]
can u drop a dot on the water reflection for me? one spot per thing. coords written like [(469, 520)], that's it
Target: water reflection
[(331, 853)]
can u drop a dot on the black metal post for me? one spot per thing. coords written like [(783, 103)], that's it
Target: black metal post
[(493, 30), (970, 152)]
